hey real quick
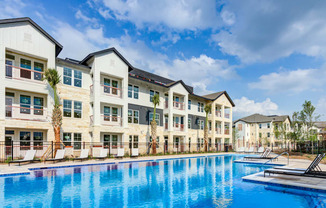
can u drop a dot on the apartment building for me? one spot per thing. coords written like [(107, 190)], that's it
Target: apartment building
[(105, 100), (258, 130)]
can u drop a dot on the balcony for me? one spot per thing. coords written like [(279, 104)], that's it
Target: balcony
[(111, 120), (20, 73), (15, 111), (218, 113), (166, 126), (218, 130), (108, 90), (226, 115), (178, 105), (226, 131), (178, 127)]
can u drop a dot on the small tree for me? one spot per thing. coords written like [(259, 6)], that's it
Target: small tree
[(308, 118), (276, 131), (53, 79), (235, 135), (207, 110), (156, 102)]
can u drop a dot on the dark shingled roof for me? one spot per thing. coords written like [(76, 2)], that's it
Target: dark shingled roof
[(58, 46), (258, 118), (72, 62)]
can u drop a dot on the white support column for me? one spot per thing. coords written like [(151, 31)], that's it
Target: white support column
[(170, 107), (97, 90), (2, 93)]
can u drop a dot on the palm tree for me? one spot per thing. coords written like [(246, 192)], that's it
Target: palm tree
[(207, 110), (53, 79), (155, 101)]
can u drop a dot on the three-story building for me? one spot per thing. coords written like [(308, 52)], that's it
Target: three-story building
[(105, 100)]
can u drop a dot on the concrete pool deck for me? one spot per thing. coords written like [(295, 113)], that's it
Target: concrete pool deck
[(299, 182)]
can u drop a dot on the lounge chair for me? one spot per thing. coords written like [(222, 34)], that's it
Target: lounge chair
[(103, 154), (29, 157), (134, 152), (261, 150), (83, 155), (312, 171), (241, 149), (59, 156), (264, 155), (251, 150), (121, 153)]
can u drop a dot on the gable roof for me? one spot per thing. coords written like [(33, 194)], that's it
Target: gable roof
[(216, 95), (58, 46), (259, 118), (89, 56)]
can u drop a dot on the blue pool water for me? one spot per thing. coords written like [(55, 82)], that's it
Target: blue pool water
[(195, 182)]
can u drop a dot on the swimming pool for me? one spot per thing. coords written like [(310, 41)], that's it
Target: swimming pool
[(195, 182)]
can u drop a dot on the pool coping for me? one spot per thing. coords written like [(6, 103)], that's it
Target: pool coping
[(305, 187)]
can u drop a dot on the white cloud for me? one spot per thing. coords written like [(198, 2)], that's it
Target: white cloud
[(81, 16), (295, 81), (11, 8), (245, 107), (321, 108), (177, 14), (267, 30)]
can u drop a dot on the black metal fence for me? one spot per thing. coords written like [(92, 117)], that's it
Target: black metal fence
[(12, 150)]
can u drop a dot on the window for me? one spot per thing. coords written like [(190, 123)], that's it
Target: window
[(106, 85), (107, 114), (260, 126), (151, 95), (106, 141), (77, 78), (114, 87), (136, 92), (268, 125), (77, 140), (38, 67), (201, 124), (210, 126), (67, 105), (67, 74), (240, 127), (77, 109), (38, 106), (268, 134), (114, 141), (189, 104), (114, 114), (189, 123), (38, 140), (25, 140), (67, 139), (9, 63), (200, 107), (130, 91), (27, 65), (111, 114), (157, 118), (25, 104), (133, 116), (133, 90)]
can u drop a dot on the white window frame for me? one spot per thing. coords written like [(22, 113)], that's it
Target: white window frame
[(154, 93), (201, 124), (133, 116)]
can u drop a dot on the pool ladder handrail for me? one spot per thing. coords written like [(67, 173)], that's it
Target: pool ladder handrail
[(279, 156)]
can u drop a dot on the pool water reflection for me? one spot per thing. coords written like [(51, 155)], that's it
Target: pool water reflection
[(195, 182)]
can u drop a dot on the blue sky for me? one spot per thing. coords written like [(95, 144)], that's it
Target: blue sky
[(268, 55)]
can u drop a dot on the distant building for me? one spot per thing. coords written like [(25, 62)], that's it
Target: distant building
[(258, 130), (321, 130)]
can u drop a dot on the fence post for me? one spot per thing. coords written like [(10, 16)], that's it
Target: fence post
[(12, 150), (52, 148), (109, 149)]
